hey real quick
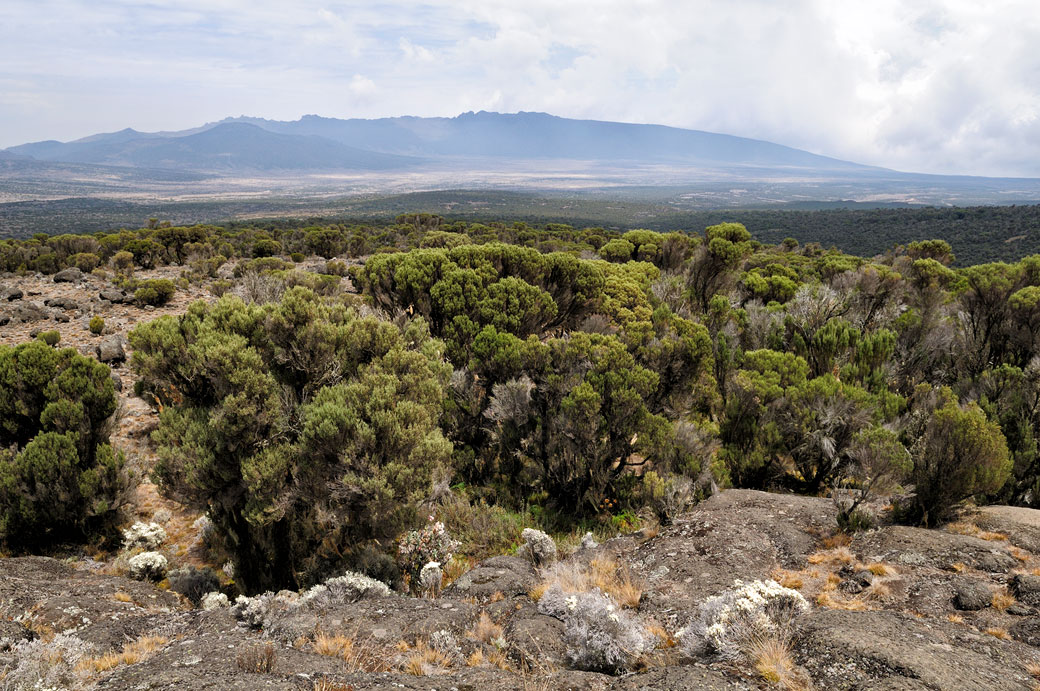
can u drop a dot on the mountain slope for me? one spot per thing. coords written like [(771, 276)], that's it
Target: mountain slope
[(543, 136), (314, 142), (231, 146)]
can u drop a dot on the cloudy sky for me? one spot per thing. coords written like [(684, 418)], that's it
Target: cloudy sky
[(944, 86)]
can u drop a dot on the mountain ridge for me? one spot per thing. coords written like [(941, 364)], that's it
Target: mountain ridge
[(316, 142)]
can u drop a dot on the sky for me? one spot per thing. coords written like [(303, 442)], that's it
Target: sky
[(935, 86)]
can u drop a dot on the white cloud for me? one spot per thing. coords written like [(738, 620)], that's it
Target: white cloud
[(927, 85)]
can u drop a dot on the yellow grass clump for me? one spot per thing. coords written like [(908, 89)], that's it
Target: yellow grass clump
[(132, 653)]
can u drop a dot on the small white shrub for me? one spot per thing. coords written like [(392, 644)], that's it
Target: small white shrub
[(213, 600), (420, 547), (39, 665), (148, 536), (430, 578), (538, 547), (600, 636), (726, 623), (147, 566)]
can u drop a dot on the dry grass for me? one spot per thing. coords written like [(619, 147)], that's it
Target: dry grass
[(455, 567), (992, 537), (664, 639), (132, 653), (959, 567), (774, 662), (476, 659), (788, 579), (879, 569), (829, 600), (122, 597), (259, 659), (326, 684), (955, 618), (485, 629), (360, 656), (424, 661), (878, 590), (1002, 600), (833, 556), (603, 573), (497, 596), (837, 540), (497, 658), (1033, 669), (962, 528), (1002, 634), (1019, 554)]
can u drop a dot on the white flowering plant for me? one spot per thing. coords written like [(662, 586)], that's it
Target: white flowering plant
[(431, 543), (725, 624), (599, 634)]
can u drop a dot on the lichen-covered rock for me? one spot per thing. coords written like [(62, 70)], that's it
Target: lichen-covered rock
[(1026, 588), (110, 349), (507, 576), (430, 578)]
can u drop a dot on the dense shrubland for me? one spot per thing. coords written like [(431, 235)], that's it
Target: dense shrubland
[(570, 376)]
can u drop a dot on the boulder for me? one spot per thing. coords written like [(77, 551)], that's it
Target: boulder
[(12, 293), (110, 349), (971, 596), (1026, 588), (70, 275), (62, 303), (507, 575), (114, 296)]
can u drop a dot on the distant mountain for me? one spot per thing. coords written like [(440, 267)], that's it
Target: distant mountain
[(226, 147), (317, 143), (542, 136)]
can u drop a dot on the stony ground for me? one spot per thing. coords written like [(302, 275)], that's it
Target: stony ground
[(891, 608)]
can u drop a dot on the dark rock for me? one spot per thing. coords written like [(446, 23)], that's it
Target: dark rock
[(507, 575), (5, 319), (30, 312), (1026, 588), (10, 294), (1020, 610), (971, 596), (536, 642), (110, 349), (1027, 630), (117, 381), (850, 586), (63, 303), (114, 296), (846, 650), (70, 275), (62, 317)]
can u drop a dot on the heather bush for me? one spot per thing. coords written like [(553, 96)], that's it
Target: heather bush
[(156, 291), (308, 432), (51, 338), (193, 583), (60, 480), (538, 547), (97, 325), (44, 664)]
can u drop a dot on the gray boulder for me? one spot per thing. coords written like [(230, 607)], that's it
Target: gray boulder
[(70, 275), (971, 596), (110, 349)]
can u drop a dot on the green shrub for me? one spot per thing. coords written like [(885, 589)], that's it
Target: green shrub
[(60, 480), (51, 338), (297, 257), (308, 432), (123, 262), (961, 454), (84, 261), (156, 291), (97, 325)]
